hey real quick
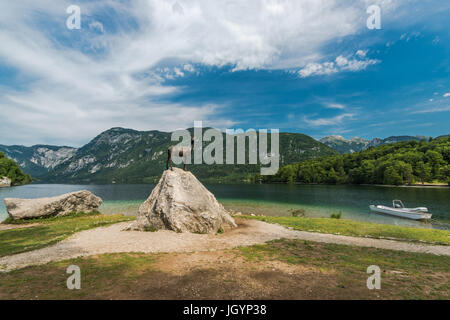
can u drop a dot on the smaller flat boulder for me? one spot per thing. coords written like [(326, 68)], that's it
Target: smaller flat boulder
[(80, 201), (5, 182)]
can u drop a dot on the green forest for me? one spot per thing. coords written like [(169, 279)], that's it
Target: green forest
[(10, 169), (402, 163)]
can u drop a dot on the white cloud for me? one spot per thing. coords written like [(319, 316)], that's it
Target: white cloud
[(178, 72), (337, 120), (189, 68), (340, 64), (313, 68), (361, 53), (432, 110), (70, 94), (335, 106)]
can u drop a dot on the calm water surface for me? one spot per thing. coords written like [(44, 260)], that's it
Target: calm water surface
[(317, 200)]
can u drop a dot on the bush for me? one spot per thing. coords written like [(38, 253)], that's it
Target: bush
[(336, 215), (298, 212)]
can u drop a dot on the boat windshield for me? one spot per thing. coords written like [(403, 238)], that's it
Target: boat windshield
[(397, 204)]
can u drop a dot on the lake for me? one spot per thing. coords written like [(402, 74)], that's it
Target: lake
[(269, 199)]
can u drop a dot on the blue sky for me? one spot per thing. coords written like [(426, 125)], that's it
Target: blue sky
[(301, 66)]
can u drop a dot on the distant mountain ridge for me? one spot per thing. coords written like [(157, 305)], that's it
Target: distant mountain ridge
[(39, 159), (121, 155), (342, 145)]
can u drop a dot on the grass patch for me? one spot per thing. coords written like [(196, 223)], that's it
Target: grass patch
[(150, 229), (359, 229), (331, 256), (405, 275), (52, 230), (100, 275), (49, 219)]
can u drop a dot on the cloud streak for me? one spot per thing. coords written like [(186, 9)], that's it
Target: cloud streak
[(340, 64), (432, 110), (333, 121)]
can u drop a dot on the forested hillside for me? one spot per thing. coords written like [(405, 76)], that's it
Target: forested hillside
[(128, 156), (391, 164), (10, 169)]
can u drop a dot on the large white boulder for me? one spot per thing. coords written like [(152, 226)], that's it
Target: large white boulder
[(5, 182), (81, 201), (179, 202)]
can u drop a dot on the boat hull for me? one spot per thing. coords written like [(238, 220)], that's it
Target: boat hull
[(402, 213)]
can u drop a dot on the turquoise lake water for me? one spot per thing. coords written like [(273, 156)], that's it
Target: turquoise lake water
[(269, 199)]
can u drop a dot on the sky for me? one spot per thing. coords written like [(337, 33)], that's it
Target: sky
[(307, 66)]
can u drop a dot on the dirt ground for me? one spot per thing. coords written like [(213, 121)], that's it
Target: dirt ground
[(201, 275)]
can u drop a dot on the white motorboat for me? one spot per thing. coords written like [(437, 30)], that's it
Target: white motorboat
[(399, 210)]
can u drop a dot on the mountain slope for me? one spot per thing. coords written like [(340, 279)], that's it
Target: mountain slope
[(38, 160), (342, 145), (356, 144), (129, 156)]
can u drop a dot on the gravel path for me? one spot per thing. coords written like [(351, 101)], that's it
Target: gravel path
[(112, 239)]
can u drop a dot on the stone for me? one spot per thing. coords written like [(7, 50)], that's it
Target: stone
[(181, 203), (80, 201), (5, 182)]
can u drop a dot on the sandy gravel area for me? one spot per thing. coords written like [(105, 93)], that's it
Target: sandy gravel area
[(112, 239)]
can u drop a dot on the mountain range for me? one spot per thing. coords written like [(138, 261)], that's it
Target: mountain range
[(123, 155), (356, 144)]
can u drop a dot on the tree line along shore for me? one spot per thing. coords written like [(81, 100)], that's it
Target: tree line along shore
[(403, 163)]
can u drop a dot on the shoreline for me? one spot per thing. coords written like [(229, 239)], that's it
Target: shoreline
[(442, 186)]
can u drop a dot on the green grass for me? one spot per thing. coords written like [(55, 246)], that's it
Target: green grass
[(332, 256), (99, 275), (349, 264), (50, 219), (52, 230), (359, 229)]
